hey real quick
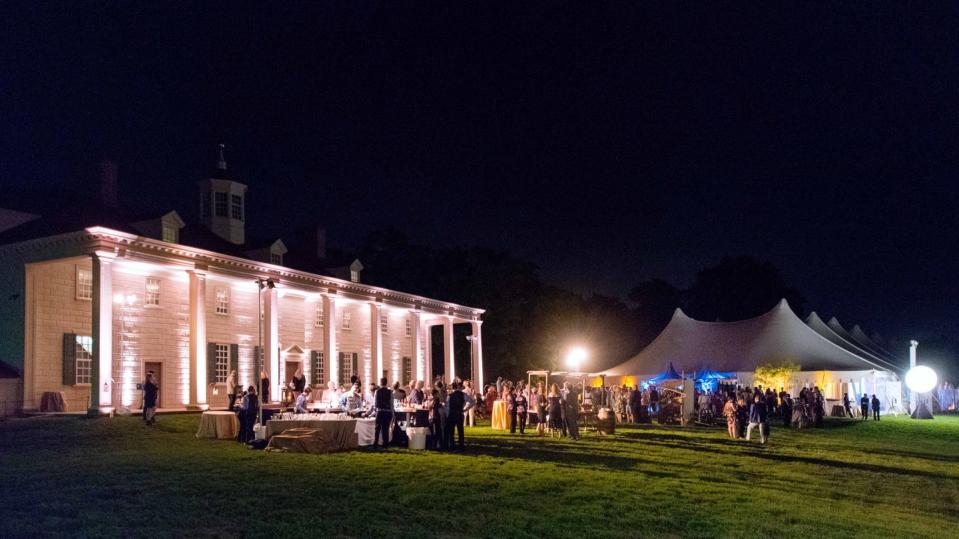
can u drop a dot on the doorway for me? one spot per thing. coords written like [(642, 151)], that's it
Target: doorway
[(290, 370), (157, 369)]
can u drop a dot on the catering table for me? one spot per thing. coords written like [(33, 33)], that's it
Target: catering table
[(338, 434), (500, 419), (838, 411), (220, 425)]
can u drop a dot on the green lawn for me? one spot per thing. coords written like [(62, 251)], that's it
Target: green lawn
[(72, 476)]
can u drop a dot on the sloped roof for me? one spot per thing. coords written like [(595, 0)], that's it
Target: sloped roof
[(840, 338), (778, 335), (863, 339)]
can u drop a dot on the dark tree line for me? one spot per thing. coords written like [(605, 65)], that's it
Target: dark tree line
[(530, 324)]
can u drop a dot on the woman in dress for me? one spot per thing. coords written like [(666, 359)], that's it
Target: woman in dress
[(729, 410), (264, 387), (540, 408), (298, 382), (490, 398), (555, 408)]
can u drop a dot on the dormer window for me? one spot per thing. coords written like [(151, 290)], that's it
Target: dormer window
[(276, 258), (219, 204), (354, 276), (205, 204), (236, 207), (170, 233)]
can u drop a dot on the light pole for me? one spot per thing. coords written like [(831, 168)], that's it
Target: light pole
[(258, 361)]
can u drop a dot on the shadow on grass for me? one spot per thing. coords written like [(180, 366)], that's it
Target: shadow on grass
[(576, 454)]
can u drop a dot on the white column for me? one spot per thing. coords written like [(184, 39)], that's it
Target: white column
[(448, 348), (271, 340), (376, 341), (197, 367), (428, 352), (101, 390), (415, 330), (477, 353), (329, 337)]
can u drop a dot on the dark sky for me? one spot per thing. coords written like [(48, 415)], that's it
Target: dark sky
[(607, 144)]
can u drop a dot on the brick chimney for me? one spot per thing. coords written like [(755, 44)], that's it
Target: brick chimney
[(108, 183)]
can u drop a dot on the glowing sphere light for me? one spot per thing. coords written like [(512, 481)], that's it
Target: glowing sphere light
[(921, 379)]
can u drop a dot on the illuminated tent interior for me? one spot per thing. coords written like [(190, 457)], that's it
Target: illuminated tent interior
[(830, 362)]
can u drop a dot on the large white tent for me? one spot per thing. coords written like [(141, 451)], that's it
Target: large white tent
[(776, 336)]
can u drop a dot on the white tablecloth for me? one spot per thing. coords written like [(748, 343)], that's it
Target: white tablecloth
[(365, 431)]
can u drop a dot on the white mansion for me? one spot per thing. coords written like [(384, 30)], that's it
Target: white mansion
[(89, 303)]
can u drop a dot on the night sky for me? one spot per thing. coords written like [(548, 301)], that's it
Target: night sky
[(607, 144)]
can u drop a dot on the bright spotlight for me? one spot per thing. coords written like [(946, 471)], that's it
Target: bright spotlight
[(921, 379), (575, 357)]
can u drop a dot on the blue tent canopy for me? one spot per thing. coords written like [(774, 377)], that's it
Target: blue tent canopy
[(669, 374), (707, 380)]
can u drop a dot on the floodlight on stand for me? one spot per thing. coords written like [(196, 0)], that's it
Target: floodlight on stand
[(575, 357), (920, 380)]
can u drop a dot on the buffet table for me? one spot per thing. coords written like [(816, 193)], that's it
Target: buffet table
[(312, 435), (500, 418), (219, 425)]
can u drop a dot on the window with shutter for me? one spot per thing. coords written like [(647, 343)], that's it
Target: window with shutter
[(69, 359), (317, 368), (344, 375), (83, 357), (210, 362)]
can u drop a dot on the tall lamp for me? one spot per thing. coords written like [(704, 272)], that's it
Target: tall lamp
[(258, 361)]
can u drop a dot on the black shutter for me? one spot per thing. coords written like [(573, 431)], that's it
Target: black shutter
[(69, 359), (343, 376), (210, 362), (257, 362), (234, 358), (314, 360), (355, 366)]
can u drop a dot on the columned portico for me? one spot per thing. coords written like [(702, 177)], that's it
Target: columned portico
[(329, 336), (101, 390), (271, 340), (376, 341), (198, 345), (476, 343)]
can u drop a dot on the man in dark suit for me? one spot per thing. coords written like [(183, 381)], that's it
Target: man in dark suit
[(383, 400), (456, 404), (636, 404), (864, 405), (875, 408), (845, 404)]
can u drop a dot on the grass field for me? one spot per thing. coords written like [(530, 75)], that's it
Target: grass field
[(71, 476)]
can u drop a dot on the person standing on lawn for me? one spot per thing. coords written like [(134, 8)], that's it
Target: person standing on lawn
[(786, 407), (864, 405), (845, 404), (521, 404), (231, 390), (757, 418), (729, 410), (471, 400), (572, 413), (150, 391), (456, 402), (249, 407), (383, 400), (875, 408)]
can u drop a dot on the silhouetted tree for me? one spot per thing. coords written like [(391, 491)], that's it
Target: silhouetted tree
[(739, 288), (655, 300)]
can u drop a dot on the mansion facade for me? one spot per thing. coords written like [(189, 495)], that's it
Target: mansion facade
[(87, 312)]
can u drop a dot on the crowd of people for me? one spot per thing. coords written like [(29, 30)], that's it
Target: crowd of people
[(443, 409)]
